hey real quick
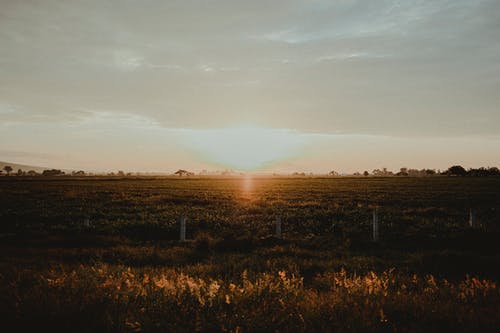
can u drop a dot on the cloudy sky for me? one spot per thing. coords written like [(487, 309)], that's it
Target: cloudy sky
[(275, 85)]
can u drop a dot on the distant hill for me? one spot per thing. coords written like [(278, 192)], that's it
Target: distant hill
[(16, 166)]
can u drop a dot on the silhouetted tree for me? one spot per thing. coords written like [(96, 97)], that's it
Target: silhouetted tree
[(456, 170), (402, 172), (7, 169), (483, 172), (366, 173), (382, 173), (494, 171), (52, 172), (182, 172)]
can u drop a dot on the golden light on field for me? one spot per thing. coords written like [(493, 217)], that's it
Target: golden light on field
[(247, 185), (245, 148)]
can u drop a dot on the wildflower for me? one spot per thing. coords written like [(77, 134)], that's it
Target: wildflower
[(162, 282), (213, 289)]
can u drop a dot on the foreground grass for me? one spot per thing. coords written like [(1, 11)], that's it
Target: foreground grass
[(113, 298)]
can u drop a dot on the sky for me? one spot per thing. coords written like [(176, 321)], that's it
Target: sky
[(280, 86)]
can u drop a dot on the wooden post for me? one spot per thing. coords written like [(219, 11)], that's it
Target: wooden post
[(278, 227), (375, 225), (471, 218), (183, 228), (87, 223)]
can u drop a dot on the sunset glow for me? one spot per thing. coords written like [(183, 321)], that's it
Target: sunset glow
[(301, 86), (245, 148)]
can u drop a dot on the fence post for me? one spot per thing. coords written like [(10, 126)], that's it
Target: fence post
[(375, 225), (471, 218), (278, 227), (183, 228)]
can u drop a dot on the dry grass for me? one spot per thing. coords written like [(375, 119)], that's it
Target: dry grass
[(123, 299)]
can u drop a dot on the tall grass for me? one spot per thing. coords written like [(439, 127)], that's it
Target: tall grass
[(113, 298)]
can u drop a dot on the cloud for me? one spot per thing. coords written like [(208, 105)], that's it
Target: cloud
[(9, 155), (398, 68)]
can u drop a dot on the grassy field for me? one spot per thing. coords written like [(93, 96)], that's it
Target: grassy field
[(127, 271)]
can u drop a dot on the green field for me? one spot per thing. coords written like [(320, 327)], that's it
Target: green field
[(125, 270)]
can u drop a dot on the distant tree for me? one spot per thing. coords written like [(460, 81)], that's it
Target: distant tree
[(182, 172), (19, 172), (366, 173), (430, 172), (52, 172), (456, 170), (120, 173), (8, 169), (78, 173), (480, 172), (494, 171), (483, 172), (382, 173), (333, 173), (31, 173), (402, 172)]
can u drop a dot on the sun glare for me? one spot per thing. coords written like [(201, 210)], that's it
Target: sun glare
[(247, 185), (245, 148)]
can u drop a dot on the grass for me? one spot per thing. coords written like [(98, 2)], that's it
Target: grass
[(127, 271), (118, 298)]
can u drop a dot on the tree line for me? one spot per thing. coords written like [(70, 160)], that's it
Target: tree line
[(49, 172), (455, 170)]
